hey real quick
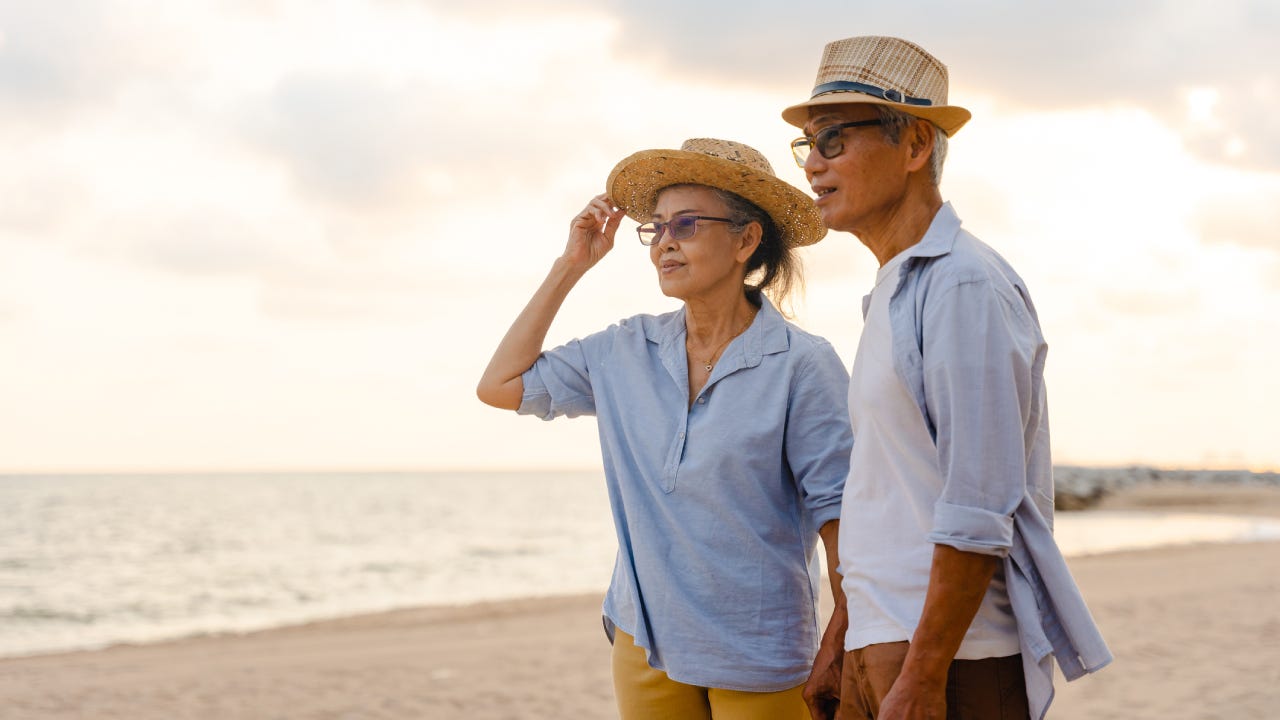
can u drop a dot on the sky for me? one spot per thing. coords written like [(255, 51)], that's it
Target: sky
[(287, 235)]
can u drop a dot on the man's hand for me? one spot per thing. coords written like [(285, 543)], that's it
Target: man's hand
[(957, 583), (909, 700)]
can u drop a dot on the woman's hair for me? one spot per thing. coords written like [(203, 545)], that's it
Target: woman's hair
[(774, 266), (893, 121)]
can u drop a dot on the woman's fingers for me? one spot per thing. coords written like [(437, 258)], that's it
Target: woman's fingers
[(601, 209), (599, 214)]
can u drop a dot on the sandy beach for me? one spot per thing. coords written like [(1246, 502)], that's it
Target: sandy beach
[(1195, 630)]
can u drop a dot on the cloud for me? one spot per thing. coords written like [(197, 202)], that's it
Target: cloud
[(1132, 304), (1248, 216), (1039, 56), (452, 106), (36, 69), (327, 292), (1044, 54), (57, 58), (1271, 275), (348, 140), (199, 243), (37, 200), (280, 268)]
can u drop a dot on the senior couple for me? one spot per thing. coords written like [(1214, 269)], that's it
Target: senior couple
[(732, 440)]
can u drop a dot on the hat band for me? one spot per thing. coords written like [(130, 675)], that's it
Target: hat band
[(872, 90)]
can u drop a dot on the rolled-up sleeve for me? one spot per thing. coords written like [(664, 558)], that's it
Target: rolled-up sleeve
[(818, 439), (979, 349), (559, 383)]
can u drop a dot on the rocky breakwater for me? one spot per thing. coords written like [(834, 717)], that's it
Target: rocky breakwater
[(1079, 488)]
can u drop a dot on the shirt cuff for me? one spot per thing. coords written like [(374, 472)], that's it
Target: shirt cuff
[(972, 529), (823, 515), (535, 400)]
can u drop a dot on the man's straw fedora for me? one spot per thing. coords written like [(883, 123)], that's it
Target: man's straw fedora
[(881, 71)]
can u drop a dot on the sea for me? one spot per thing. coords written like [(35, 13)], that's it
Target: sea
[(89, 561)]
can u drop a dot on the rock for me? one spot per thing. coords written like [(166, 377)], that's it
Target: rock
[(1078, 488)]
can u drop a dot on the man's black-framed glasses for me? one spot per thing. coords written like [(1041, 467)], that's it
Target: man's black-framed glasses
[(681, 227), (829, 141)]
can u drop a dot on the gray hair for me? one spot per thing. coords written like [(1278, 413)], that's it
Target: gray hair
[(893, 122)]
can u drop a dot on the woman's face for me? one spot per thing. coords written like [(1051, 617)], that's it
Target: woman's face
[(713, 257)]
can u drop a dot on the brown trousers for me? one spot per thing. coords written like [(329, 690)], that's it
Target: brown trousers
[(987, 689)]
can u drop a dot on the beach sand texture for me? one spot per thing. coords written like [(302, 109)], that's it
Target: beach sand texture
[(1195, 631)]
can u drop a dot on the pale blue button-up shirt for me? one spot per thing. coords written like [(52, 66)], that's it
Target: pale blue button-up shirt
[(968, 347), (716, 505)]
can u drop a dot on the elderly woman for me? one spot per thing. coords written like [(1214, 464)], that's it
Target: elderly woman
[(724, 431)]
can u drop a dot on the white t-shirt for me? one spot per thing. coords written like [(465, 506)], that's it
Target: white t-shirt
[(887, 510)]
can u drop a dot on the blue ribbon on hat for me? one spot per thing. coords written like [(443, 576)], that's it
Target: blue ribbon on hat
[(872, 90)]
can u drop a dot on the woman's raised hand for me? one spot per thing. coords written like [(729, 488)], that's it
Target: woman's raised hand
[(590, 238), (591, 233)]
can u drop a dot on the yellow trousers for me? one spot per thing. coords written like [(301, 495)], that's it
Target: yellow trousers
[(644, 693)]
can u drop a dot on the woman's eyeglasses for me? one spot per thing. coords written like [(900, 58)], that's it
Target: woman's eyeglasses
[(681, 228), (828, 141)]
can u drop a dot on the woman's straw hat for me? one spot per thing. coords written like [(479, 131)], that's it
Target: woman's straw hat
[(634, 184), (882, 71)]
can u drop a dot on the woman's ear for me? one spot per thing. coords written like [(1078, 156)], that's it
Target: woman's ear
[(750, 240)]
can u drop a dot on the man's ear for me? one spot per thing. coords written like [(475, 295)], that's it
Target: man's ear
[(919, 138)]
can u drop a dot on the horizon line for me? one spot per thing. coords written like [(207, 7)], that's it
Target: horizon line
[(404, 470)]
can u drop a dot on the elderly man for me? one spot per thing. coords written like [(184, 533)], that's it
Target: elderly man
[(958, 598)]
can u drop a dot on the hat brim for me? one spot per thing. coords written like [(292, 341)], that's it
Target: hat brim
[(635, 182), (948, 117)]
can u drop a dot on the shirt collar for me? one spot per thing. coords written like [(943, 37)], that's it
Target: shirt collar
[(940, 237), (766, 335), (938, 240)]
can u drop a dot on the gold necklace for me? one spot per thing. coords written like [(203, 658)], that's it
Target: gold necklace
[(710, 362)]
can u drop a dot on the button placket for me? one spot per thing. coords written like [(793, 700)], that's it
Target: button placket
[(673, 460)]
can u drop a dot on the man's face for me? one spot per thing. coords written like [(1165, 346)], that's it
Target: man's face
[(859, 189)]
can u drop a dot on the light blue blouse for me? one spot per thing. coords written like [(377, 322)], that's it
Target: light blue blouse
[(717, 505)]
